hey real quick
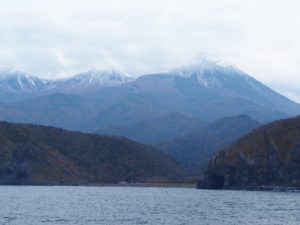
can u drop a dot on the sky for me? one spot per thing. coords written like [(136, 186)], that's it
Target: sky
[(59, 38)]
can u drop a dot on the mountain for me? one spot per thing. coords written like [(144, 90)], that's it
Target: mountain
[(196, 147), (90, 81), (32, 154), (219, 77), (155, 130), (267, 158), (17, 85), (28, 99), (205, 88)]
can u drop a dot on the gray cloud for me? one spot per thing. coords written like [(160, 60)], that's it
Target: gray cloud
[(59, 38)]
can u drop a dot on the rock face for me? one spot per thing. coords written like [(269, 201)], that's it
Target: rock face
[(32, 154), (268, 157)]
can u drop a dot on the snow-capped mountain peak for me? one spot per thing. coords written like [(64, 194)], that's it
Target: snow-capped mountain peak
[(208, 69), (103, 78), (19, 81), (92, 80), (8, 73), (204, 59), (204, 62)]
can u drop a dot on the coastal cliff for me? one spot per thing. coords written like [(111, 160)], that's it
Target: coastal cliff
[(266, 158)]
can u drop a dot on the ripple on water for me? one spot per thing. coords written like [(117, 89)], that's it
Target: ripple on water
[(32, 205)]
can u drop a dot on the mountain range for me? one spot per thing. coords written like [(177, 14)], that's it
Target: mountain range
[(206, 88), (17, 85)]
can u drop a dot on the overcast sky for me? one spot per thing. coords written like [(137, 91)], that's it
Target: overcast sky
[(58, 38)]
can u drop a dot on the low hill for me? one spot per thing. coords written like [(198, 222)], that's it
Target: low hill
[(31, 154), (268, 157)]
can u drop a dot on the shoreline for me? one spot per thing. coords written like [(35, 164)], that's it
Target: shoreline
[(167, 185), (192, 185), (116, 184)]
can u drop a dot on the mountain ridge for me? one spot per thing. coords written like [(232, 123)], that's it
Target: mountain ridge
[(18, 83)]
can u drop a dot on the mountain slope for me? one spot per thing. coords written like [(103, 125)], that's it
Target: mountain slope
[(74, 112), (46, 155), (196, 147), (57, 109), (155, 130), (217, 74), (268, 157)]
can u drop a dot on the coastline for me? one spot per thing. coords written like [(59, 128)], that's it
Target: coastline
[(167, 184)]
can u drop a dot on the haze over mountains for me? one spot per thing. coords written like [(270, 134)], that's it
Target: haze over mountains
[(207, 88)]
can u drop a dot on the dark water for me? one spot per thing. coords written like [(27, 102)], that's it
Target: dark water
[(137, 205)]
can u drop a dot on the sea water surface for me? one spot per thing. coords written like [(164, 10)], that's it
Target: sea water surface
[(31, 205)]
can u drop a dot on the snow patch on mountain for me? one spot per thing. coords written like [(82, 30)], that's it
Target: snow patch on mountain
[(20, 81), (109, 77), (100, 78), (204, 59), (208, 69), (204, 62), (14, 81)]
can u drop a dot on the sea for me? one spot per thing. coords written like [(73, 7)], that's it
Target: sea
[(32, 205)]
